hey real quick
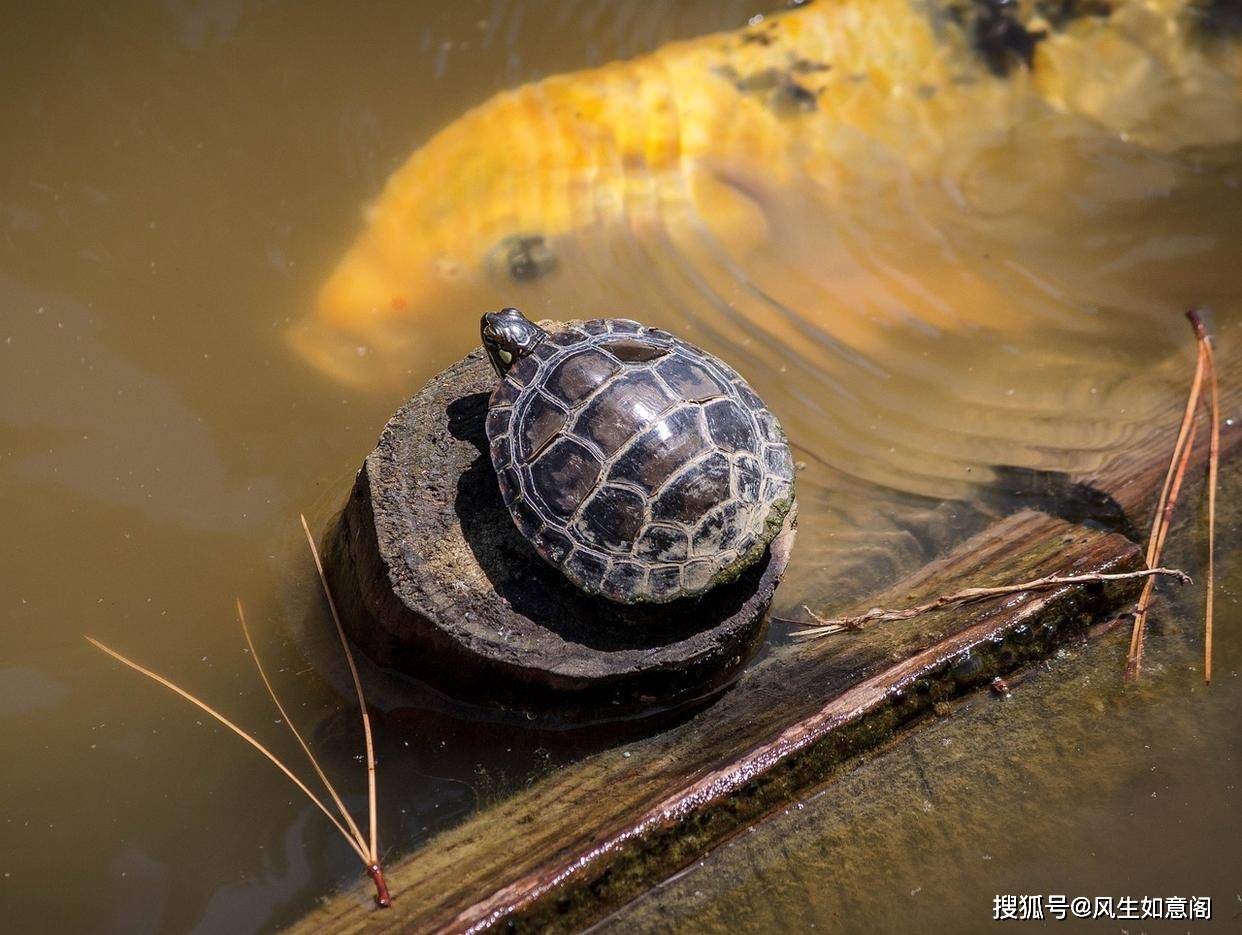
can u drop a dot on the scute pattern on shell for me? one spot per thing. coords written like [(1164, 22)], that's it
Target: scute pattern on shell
[(643, 467)]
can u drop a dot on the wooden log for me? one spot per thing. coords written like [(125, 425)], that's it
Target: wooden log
[(585, 839), (596, 839), (434, 580)]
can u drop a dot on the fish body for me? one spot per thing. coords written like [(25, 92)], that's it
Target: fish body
[(841, 102)]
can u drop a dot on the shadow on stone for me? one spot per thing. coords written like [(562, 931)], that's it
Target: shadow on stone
[(535, 589)]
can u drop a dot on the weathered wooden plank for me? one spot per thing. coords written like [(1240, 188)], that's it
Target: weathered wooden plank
[(901, 830), (597, 832)]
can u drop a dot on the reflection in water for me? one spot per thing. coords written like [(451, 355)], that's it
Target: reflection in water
[(921, 285)]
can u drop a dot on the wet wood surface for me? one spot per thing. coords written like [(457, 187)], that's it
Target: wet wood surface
[(590, 836)]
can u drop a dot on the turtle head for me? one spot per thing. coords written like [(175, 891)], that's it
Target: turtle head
[(508, 336)]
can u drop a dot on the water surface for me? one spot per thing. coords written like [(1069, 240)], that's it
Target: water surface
[(179, 179)]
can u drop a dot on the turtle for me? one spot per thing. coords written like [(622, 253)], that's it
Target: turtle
[(642, 467)]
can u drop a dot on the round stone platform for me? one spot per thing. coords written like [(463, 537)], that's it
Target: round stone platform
[(434, 580)]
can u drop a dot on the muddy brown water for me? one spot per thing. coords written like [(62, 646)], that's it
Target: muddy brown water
[(176, 182)]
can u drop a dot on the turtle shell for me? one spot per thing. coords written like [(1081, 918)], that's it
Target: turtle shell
[(642, 467)]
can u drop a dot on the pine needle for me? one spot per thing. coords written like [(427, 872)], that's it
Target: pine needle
[(340, 806), (367, 851), (1164, 510), (825, 626), (1205, 343), (362, 702), (356, 845)]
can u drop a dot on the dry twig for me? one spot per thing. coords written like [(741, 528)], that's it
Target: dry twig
[(825, 626)]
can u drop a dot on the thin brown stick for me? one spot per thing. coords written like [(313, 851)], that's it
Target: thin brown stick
[(825, 626), (381, 890), (356, 845), (382, 899), (340, 806), (1137, 632), (1164, 511), (1205, 343), (1159, 537)]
